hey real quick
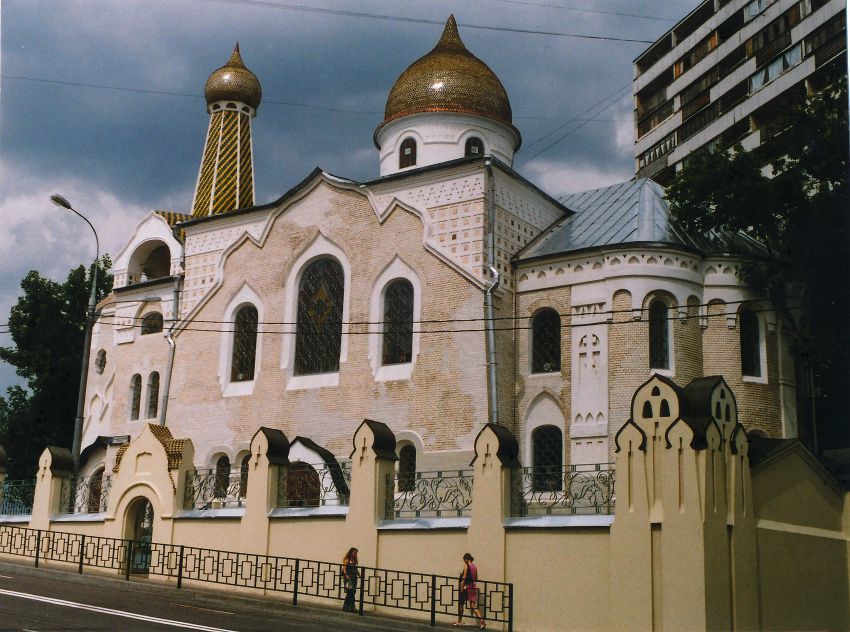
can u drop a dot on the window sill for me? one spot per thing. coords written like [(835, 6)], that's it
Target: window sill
[(319, 380), (238, 389), (392, 372), (546, 374), (752, 379), (664, 372)]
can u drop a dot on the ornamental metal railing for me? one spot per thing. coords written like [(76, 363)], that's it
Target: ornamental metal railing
[(214, 488), (85, 494), (314, 485), (16, 498), (563, 491), (428, 594), (440, 494)]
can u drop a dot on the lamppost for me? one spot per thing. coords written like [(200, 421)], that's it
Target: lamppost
[(58, 200)]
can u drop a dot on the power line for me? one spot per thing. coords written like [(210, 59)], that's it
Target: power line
[(583, 10), (395, 18)]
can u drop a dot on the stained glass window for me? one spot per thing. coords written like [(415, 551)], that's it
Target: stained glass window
[(547, 454), (398, 323), (153, 394), (546, 342), (407, 468), (474, 147), (135, 396), (152, 323), (244, 344), (407, 157), (659, 335), (318, 335), (748, 323)]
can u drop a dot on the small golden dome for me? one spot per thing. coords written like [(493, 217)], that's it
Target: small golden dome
[(449, 79), (233, 82)]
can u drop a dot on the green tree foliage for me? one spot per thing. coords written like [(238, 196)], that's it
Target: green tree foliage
[(47, 326), (799, 211)]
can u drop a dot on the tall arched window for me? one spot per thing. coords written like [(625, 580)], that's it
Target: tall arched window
[(222, 477), (407, 468), (407, 153), (153, 394), (244, 345), (243, 475), (398, 323), (546, 341), (748, 324), (152, 323), (318, 336), (547, 459), (659, 335), (135, 396), (95, 491), (474, 147)]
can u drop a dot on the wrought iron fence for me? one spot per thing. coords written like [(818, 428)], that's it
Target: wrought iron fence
[(429, 494), (558, 491), (436, 595), (322, 485), (16, 498), (85, 494), (215, 488)]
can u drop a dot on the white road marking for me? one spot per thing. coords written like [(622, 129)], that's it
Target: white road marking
[(117, 613), (185, 605), (7, 577)]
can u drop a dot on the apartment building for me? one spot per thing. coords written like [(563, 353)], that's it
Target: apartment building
[(728, 73)]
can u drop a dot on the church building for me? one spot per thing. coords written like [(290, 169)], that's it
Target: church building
[(447, 293)]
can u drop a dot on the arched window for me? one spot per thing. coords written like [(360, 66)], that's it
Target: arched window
[(407, 153), (135, 396), (222, 477), (398, 323), (547, 459), (100, 361), (748, 324), (152, 323), (546, 342), (95, 490), (318, 336), (244, 345), (153, 394), (659, 335), (243, 475), (302, 486), (407, 468), (474, 147)]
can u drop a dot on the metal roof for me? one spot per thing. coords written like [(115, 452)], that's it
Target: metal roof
[(633, 212)]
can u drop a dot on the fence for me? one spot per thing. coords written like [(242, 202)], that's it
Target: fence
[(16, 498), (380, 587), (89, 494), (215, 487), (570, 490), (303, 485), (429, 494)]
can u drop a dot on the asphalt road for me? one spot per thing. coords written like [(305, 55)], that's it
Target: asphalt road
[(44, 600)]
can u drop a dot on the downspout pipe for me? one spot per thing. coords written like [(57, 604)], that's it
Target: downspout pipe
[(169, 337), (492, 392)]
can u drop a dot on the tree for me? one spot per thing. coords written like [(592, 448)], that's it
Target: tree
[(47, 327), (799, 211)]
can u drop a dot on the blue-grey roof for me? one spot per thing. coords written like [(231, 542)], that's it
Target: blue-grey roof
[(633, 212)]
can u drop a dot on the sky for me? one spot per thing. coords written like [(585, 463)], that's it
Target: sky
[(102, 102)]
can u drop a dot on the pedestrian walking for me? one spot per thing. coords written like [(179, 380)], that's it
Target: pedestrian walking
[(469, 592), (350, 573)]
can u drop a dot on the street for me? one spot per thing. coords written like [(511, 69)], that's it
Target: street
[(44, 600)]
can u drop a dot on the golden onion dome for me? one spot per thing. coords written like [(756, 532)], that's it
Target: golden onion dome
[(234, 82), (449, 79)]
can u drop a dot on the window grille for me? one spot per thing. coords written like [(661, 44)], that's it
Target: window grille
[(318, 335), (407, 468), (303, 488), (474, 147), (135, 396), (546, 342), (152, 323), (407, 158), (100, 361), (750, 343), (153, 394), (547, 458), (95, 491), (659, 335), (222, 477), (244, 344), (398, 323)]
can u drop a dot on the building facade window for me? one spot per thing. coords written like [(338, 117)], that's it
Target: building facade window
[(100, 361), (407, 153), (135, 396), (152, 323), (398, 323), (243, 475), (153, 394), (546, 341), (407, 468), (95, 490), (318, 336), (547, 459), (222, 477), (474, 147), (244, 353), (659, 335), (303, 487), (748, 324)]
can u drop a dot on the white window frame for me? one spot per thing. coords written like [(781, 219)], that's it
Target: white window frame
[(397, 269), (245, 296)]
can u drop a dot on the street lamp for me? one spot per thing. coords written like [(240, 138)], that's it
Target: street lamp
[(58, 200)]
